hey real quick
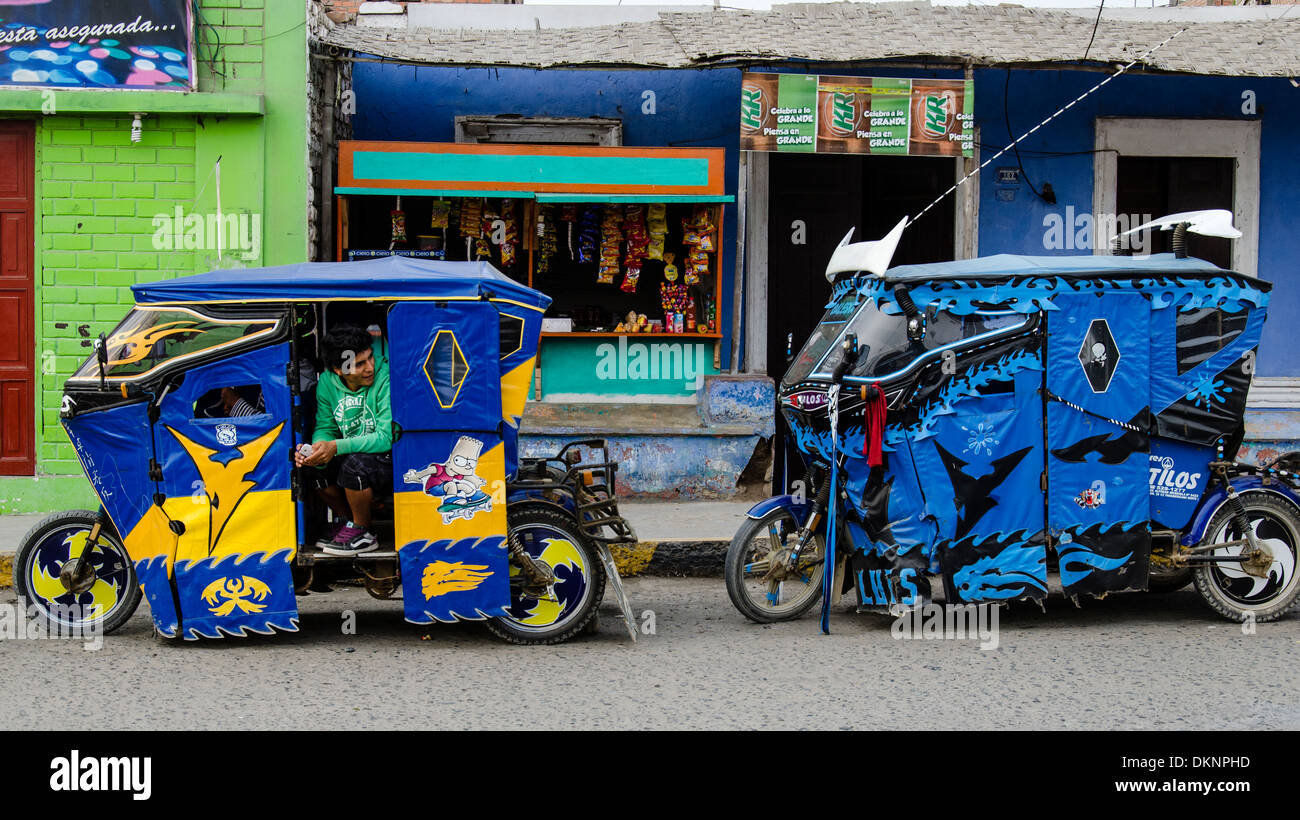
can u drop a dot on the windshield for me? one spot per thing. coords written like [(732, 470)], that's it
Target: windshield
[(883, 346), (882, 339), (150, 337), (823, 336)]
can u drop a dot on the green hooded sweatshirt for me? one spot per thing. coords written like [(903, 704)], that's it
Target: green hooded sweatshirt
[(361, 420)]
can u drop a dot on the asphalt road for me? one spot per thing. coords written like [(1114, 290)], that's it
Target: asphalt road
[(1137, 661)]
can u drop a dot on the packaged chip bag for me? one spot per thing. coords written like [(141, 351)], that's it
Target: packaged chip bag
[(670, 270), (471, 218), (630, 277), (441, 214)]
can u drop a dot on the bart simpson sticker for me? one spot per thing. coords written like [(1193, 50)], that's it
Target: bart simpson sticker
[(455, 482)]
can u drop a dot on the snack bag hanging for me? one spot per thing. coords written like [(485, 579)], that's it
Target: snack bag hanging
[(657, 229), (511, 240), (611, 240), (441, 214), (471, 224), (398, 218), (588, 233), (569, 215), (546, 246)]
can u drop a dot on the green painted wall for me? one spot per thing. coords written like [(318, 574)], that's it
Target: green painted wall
[(101, 200), (671, 364)]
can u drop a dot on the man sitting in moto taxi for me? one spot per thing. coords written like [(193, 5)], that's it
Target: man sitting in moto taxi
[(353, 441)]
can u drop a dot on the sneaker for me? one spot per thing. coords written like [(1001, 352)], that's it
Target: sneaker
[(352, 540), (331, 532)]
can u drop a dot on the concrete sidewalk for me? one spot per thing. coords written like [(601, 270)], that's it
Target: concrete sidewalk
[(679, 537), (674, 538), (13, 528)]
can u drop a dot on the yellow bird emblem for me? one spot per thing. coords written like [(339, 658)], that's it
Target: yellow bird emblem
[(226, 484), (237, 592), (442, 577)]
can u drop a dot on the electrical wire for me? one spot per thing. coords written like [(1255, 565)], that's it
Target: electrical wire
[(1058, 113), (213, 49), (1095, 23), (1006, 115)]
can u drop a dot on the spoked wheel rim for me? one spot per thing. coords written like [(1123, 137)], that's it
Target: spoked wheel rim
[(89, 604), (565, 598), (782, 591), (1249, 591)]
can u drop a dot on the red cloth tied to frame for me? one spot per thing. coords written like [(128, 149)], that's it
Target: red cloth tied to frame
[(873, 425)]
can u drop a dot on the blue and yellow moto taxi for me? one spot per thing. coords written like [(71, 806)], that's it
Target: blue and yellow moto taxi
[(203, 512)]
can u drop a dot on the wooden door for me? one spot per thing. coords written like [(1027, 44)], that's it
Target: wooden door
[(18, 352)]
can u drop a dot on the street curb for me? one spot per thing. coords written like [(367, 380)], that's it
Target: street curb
[(703, 558)]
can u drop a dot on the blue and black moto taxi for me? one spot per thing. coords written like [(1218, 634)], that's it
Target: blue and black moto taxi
[(989, 418), (203, 511)]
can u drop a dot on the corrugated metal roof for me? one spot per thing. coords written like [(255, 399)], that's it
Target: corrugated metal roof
[(850, 33)]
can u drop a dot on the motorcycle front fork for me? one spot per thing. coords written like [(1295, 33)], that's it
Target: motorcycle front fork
[(815, 516)]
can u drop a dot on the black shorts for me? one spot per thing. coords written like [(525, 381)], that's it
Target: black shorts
[(354, 471)]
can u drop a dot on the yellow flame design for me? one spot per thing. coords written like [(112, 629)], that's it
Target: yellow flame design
[(142, 341), (225, 484), (237, 592), (442, 577)]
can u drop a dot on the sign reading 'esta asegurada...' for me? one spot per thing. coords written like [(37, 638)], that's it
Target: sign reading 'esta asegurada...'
[(97, 44), (857, 115)]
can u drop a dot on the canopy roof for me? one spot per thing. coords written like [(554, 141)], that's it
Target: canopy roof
[(1085, 267), (392, 277)]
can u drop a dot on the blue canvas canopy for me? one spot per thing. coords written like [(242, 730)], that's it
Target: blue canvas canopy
[(1069, 266), (393, 277)]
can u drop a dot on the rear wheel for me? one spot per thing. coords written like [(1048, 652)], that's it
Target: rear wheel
[(1227, 587), (102, 595), (556, 611)]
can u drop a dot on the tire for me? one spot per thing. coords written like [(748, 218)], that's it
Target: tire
[(1168, 579), (754, 542), (114, 595), (1229, 590), (552, 537)]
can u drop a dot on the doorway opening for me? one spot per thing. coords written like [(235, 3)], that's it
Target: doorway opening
[(813, 200), (1170, 185)]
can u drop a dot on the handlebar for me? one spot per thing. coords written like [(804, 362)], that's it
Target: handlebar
[(841, 369), (850, 358)]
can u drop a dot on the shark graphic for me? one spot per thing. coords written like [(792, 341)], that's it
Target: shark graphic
[(997, 567), (1111, 451), (226, 484), (971, 495)]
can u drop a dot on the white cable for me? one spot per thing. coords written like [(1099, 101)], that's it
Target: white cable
[(1058, 113)]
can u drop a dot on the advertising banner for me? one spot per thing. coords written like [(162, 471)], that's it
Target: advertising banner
[(97, 44), (857, 115)]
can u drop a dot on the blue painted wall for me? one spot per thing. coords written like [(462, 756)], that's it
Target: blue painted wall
[(1017, 226), (701, 108), (693, 109)]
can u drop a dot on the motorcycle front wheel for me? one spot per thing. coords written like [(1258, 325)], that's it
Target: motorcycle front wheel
[(102, 599), (566, 605), (759, 584), (1227, 587)]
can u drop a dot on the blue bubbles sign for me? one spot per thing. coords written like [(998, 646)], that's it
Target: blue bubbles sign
[(97, 44)]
